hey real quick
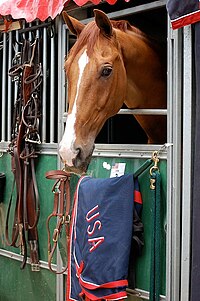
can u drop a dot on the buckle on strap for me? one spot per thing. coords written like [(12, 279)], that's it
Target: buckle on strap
[(67, 219), (55, 235), (21, 240), (35, 267), (57, 230)]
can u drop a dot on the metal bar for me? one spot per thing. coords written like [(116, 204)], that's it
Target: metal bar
[(143, 111), (134, 112), (187, 161), (29, 31), (59, 278), (14, 256), (4, 94), (174, 164), (65, 49), (170, 55), (9, 101), (129, 150), (44, 90), (52, 91), (16, 50), (36, 27), (142, 294), (37, 31), (102, 150), (132, 10), (60, 67), (66, 83)]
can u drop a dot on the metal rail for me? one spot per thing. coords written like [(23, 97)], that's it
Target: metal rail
[(142, 294), (134, 112), (12, 255), (143, 111), (132, 10)]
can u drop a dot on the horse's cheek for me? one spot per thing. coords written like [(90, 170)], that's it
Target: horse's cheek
[(120, 86)]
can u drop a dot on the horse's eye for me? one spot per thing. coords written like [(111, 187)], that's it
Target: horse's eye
[(106, 71)]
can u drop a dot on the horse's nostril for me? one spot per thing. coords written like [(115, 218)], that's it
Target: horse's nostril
[(78, 151)]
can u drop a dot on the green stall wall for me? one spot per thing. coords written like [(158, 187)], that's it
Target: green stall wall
[(26, 285), (16, 284)]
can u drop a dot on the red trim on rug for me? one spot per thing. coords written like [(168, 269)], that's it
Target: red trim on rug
[(186, 20), (112, 284), (137, 197), (116, 296)]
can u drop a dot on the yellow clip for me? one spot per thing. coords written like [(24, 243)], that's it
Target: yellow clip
[(156, 160), (152, 184)]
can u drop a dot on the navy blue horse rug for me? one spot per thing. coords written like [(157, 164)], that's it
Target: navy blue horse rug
[(100, 238)]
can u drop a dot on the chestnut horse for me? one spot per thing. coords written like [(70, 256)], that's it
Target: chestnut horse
[(111, 63)]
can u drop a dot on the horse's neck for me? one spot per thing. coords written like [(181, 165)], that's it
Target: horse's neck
[(146, 85), (145, 82)]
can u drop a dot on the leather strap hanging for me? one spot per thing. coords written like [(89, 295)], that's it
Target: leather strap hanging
[(27, 72), (61, 211)]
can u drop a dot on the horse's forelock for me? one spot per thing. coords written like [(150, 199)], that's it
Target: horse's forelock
[(88, 36)]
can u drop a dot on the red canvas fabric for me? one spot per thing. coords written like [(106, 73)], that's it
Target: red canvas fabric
[(31, 9), (82, 2), (41, 9)]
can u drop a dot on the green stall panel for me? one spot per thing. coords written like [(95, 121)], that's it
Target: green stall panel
[(99, 167), (25, 285), (43, 163), (16, 284)]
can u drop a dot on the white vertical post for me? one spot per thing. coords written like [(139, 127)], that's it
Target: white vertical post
[(186, 166), (174, 164), (44, 90), (60, 278), (9, 108), (4, 82), (52, 91)]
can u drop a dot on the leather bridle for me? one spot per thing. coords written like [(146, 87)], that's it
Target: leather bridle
[(61, 211), (25, 136)]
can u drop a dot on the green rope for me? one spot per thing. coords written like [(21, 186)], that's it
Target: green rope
[(155, 241)]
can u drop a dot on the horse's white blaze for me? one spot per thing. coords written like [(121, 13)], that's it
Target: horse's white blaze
[(67, 151)]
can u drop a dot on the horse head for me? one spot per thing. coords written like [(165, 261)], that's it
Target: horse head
[(96, 86)]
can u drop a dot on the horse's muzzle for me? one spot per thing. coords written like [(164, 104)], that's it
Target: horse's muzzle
[(78, 157), (67, 155)]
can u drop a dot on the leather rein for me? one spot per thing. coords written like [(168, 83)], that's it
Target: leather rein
[(27, 72)]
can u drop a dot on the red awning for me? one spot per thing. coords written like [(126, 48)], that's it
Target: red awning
[(82, 2), (41, 9), (31, 9)]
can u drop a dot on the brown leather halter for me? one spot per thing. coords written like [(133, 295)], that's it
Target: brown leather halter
[(27, 72), (61, 211)]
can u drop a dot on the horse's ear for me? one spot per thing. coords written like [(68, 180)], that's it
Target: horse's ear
[(73, 24), (103, 22)]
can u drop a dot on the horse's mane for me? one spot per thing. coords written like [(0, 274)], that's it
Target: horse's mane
[(125, 26), (91, 32)]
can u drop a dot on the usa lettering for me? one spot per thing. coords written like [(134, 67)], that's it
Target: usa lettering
[(93, 216)]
